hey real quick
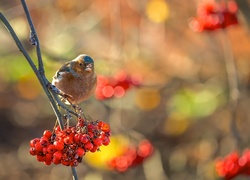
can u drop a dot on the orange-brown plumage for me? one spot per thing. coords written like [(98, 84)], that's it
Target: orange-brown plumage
[(77, 79)]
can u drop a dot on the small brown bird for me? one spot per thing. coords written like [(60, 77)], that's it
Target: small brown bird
[(76, 79)]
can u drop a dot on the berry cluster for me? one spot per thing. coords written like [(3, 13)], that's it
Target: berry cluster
[(115, 86), (233, 165), (68, 146), (133, 156), (213, 15)]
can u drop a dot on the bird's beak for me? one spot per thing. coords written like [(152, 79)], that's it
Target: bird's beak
[(89, 67)]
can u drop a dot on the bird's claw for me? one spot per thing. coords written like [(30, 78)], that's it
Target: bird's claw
[(78, 109)]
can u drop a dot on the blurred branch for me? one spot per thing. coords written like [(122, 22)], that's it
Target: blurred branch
[(245, 10), (233, 83), (40, 73)]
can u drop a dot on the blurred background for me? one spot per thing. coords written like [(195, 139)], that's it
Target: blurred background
[(174, 88)]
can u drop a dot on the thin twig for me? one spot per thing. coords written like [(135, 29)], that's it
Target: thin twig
[(74, 174), (233, 83), (33, 37)]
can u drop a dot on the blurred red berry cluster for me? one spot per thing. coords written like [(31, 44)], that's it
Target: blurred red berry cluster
[(68, 146), (214, 15), (132, 156), (233, 165), (108, 87)]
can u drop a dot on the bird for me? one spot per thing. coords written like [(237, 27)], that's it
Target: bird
[(76, 79)]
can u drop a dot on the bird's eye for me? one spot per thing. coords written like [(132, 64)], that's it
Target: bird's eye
[(81, 64)]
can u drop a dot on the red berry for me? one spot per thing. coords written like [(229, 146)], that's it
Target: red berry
[(105, 140), (48, 157), (94, 149), (44, 141), (47, 162), (40, 158), (91, 127), (88, 146), (100, 124), (84, 138), (57, 129), (144, 148), (47, 133), (39, 147), (77, 138), (51, 149), (91, 134), (68, 140), (55, 161), (121, 163), (105, 127), (44, 150), (80, 151), (57, 156), (34, 141), (73, 146), (59, 145), (74, 163), (98, 141), (65, 163), (33, 151)]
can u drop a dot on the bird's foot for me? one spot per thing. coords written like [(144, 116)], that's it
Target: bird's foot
[(78, 110)]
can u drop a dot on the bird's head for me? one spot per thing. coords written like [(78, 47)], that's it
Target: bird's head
[(83, 64)]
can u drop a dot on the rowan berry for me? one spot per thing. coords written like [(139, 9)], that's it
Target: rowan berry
[(105, 127), (59, 145), (51, 149), (34, 141), (49, 157), (98, 141), (88, 146), (68, 146), (33, 151), (68, 140), (44, 141), (94, 149), (38, 146), (47, 162), (77, 138), (47, 133), (40, 158), (57, 156), (105, 140), (84, 138), (80, 152)]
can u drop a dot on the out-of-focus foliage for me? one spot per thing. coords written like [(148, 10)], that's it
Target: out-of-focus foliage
[(181, 106)]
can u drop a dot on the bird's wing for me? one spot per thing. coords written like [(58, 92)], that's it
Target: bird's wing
[(64, 69)]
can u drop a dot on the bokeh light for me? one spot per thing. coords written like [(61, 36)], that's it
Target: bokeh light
[(162, 77)]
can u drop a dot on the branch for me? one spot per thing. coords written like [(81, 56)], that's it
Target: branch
[(33, 37), (40, 73), (233, 84), (41, 79)]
